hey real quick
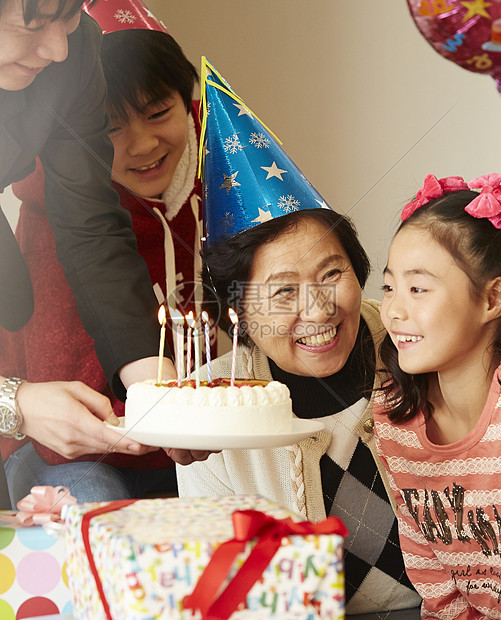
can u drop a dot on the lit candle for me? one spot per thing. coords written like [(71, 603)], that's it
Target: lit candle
[(178, 321), (190, 321), (234, 319), (198, 359), (205, 318), (162, 321)]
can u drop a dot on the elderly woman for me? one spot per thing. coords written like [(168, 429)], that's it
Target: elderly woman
[(296, 282)]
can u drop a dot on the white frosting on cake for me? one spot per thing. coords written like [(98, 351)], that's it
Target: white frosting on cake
[(241, 409)]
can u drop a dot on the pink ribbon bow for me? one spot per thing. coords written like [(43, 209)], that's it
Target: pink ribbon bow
[(42, 505), (433, 188), (488, 202)]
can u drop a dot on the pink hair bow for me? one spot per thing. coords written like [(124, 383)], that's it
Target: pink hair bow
[(488, 202), (43, 505), (433, 188)]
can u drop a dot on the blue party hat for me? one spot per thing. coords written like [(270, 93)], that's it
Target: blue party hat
[(248, 178)]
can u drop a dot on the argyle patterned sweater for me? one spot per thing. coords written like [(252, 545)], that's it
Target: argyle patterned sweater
[(335, 472)]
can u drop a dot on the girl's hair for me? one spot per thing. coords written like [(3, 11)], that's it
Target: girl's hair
[(143, 68), (68, 8), (474, 243), (227, 265)]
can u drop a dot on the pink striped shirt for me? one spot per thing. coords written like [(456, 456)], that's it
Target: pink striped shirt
[(449, 510)]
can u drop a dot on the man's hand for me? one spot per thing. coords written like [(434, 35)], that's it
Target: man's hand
[(67, 417)]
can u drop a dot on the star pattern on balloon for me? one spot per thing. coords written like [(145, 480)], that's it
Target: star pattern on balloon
[(229, 182), (466, 34), (475, 7), (274, 171)]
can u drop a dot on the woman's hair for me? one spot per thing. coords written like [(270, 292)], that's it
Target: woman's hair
[(144, 67), (475, 245), (33, 8), (227, 265)]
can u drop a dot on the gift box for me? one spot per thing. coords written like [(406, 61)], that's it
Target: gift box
[(144, 560), (33, 580)]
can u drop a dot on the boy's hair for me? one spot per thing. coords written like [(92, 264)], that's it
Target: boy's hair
[(68, 8), (227, 265), (143, 68), (475, 245)]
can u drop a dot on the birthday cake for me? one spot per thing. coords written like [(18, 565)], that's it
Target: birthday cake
[(219, 408)]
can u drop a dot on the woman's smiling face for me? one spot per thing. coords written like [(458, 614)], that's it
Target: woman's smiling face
[(302, 303)]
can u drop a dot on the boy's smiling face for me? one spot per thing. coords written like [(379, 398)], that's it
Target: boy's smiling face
[(149, 145)]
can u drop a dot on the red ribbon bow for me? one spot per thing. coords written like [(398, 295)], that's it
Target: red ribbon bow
[(433, 188), (488, 202), (42, 505), (247, 524)]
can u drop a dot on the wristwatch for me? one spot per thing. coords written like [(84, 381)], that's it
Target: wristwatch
[(10, 416)]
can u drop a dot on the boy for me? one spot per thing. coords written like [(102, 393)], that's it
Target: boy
[(155, 135)]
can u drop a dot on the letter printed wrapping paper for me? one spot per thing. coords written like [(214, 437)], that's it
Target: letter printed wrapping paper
[(150, 554)]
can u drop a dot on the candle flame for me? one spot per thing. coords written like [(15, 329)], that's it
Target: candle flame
[(190, 319), (205, 317), (161, 315), (176, 316), (233, 316)]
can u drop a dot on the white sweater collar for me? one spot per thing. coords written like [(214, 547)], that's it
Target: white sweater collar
[(183, 179)]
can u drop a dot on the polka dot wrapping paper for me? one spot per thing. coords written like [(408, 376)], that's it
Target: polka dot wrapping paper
[(150, 554), (33, 580)]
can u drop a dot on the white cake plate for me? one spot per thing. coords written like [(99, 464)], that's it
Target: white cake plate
[(301, 429)]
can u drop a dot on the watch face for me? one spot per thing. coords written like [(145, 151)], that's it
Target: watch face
[(8, 419)]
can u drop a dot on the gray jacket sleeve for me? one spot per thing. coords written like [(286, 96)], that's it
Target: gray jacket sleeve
[(94, 239), (16, 291)]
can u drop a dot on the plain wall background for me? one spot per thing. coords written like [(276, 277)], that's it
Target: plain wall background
[(360, 100)]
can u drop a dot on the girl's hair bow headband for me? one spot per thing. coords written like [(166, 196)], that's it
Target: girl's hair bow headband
[(487, 204)]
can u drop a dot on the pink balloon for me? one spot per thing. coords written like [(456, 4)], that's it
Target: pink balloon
[(468, 32)]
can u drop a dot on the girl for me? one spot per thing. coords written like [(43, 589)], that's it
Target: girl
[(438, 418)]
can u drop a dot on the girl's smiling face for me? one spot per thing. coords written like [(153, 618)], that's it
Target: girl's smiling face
[(302, 304), (149, 146), (434, 319)]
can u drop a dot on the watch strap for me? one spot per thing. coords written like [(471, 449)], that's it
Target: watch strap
[(8, 392)]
